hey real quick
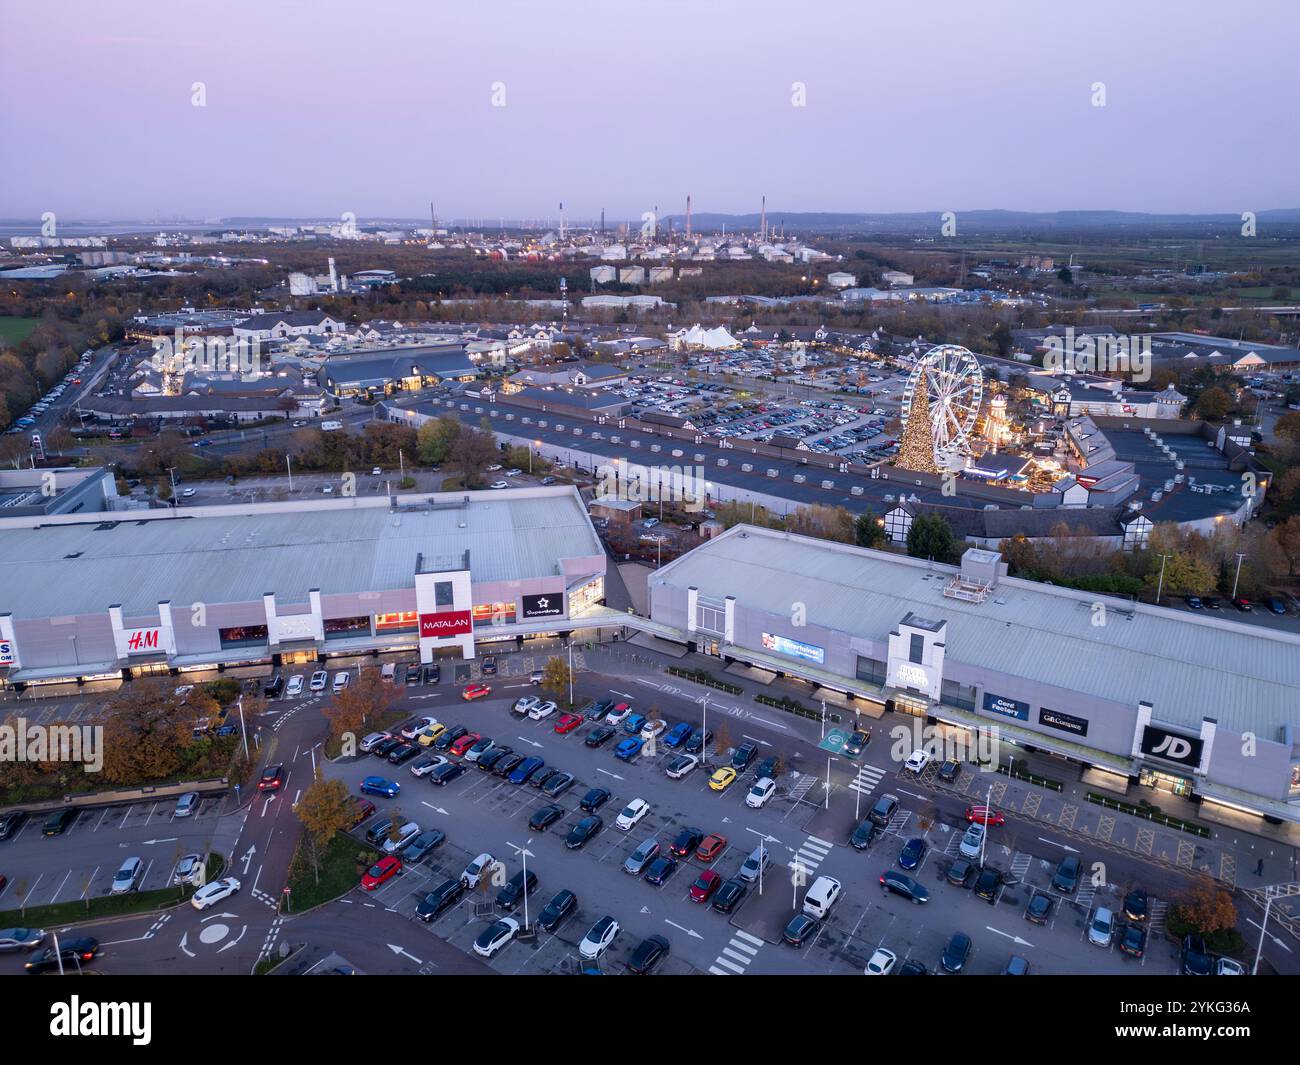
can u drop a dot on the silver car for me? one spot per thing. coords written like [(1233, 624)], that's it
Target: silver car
[(641, 857), (128, 877), (186, 804), (758, 862), (21, 938)]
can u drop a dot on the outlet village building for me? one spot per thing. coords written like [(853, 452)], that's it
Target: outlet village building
[(247, 587), (1205, 708)]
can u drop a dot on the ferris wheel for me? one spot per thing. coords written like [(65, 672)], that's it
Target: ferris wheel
[(955, 386)]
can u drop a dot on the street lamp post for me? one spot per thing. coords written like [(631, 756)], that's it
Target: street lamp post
[(988, 802), (570, 669), (1268, 905), (172, 471), (288, 465), (1240, 556), (1160, 585), (242, 729)]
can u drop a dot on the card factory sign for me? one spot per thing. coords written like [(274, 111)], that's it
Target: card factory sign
[(1000, 704), (1171, 746), (543, 606), (446, 623)]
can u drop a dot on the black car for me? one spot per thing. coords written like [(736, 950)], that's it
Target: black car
[(10, 822), (594, 711), (412, 672), (766, 768), (1135, 905), (542, 776), (949, 771), (74, 953), (955, 953), (274, 686), (1275, 605), (959, 873), (488, 667), (1039, 909), (902, 884), (432, 673), (516, 888), (487, 762), (444, 741), (1212, 602), (801, 928), (59, 822), (688, 839), (1196, 959), (649, 954), (384, 748), (743, 755), (557, 910), (594, 800), (698, 741), (441, 898), (987, 884), (863, 835), (1193, 601), (582, 832), (545, 817), (728, 896), (422, 845), (557, 784), (884, 810), (660, 870), (445, 774), (600, 734), (403, 752), (913, 968), (856, 743), (1066, 878), (507, 765), (1133, 940)]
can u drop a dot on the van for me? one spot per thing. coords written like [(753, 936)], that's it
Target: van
[(330, 427), (821, 896), (389, 673)]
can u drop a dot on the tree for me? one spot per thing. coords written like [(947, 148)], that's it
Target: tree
[(930, 537), (1288, 427), (1213, 404), (556, 678), (1020, 555), (869, 530), (356, 704), (1287, 537), (826, 523), (470, 454), (1208, 908), (145, 730), (434, 439), (325, 811)]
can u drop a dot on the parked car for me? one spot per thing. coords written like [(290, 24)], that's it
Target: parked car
[(477, 869), (1196, 960), (389, 789), (496, 936), (545, 817), (649, 953), (660, 870), (680, 766), (59, 822), (554, 913), (420, 847), (440, 899), (972, 843), (405, 834), (801, 928), (912, 853), (987, 884), (186, 804), (594, 800), (514, 889), (760, 793), (917, 762), (1066, 878), (127, 877), (1133, 940), (863, 835), (757, 863), (1101, 929), (883, 811), (955, 953), (581, 833), (632, 814), (599, 938), (1136, 905), (646, 852), (1039, 908), (710, 847), (599, 735)]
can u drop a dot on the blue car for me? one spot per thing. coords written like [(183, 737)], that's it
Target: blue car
[(525, 769), (380, 786), (628, 749), (677, 735), (912, 853), (634, 723)]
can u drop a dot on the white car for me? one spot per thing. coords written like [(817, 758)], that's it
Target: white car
[(973, 841), (417, 726), (189, 870), (632, 814), (524, 705), (341, 681), (597, 941), (426, 765), (542, 710), (498, 484), (477, 870), (128, 877), (189, 493), (616, 716), (214, 892), (881, 963), (680, 766), (653, 728), (917, 762), (496, 936), (295, 685), (493, 468), (376, 472), (182, 693), (758, 795), (1229, 967), (319, 680), (407, 833), (513, 473)]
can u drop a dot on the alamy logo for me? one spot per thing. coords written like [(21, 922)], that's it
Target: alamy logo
[(21, 742), (1101, 354), (631, 483), (77, 1018), (205, 355)]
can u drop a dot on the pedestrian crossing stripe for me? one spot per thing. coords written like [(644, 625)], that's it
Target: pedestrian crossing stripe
[(867, 779), (736, 955)]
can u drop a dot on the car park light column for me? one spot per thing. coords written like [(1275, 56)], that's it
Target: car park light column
[(524, 852)]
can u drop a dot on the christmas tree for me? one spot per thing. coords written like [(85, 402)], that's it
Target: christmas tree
[(916, 448)]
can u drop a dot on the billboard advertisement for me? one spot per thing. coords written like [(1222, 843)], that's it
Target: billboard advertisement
[(143, 641), (543, 606), (6, 653), (1064, 722), (1004, 707), (446, 623), (782, 645), (1172, 746)]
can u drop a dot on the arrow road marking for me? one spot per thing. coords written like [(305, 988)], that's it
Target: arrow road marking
[(151, 842), (609, 774), (1014, 939), (527, 740), (689, 931), (1063, 846), (430, 805), (403, 954), (248, 857)]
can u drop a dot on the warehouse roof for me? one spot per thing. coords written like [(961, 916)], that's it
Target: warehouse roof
[(1187, 667), (81, 565)]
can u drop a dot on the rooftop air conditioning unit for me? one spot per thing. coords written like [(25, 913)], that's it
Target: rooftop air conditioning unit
[(828, 484), (773, 473), (746, 467), (799, 478), (856, 490), (722, 462)]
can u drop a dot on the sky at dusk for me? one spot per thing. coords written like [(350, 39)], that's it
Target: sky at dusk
[(378, 107)]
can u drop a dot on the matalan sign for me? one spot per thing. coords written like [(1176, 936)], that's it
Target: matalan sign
[(143, 641), (447, 623)]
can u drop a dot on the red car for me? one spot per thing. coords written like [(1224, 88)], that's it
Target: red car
[(568, 723), (381, 872), (1243, 604), (710, 847), (705, 885), (465, 743), (475, 691), (985, 815), (272, 778)]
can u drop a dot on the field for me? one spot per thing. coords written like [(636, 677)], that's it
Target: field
[(15, 330)]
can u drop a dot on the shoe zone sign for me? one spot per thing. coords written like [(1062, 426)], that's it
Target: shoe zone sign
[(1171, 746), (549, 605)]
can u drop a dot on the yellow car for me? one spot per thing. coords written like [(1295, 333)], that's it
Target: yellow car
[(427, 735), (722, 779)]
